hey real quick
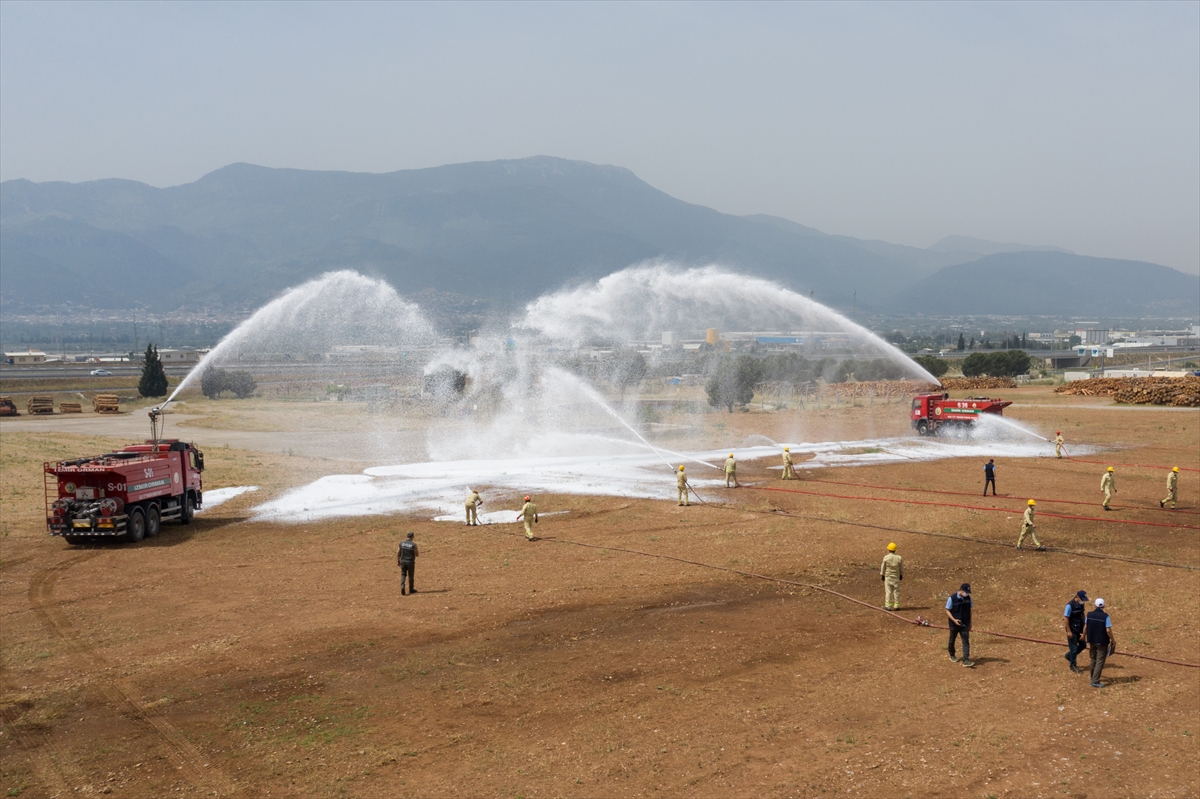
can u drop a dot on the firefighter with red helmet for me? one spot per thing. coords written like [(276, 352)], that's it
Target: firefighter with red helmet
[(530, 515)]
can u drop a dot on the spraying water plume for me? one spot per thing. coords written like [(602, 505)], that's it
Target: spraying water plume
[(306, 322)]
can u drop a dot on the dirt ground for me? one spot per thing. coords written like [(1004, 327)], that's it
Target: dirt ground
[(236, 658)]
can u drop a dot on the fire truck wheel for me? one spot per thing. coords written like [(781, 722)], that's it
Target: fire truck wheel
[(137, 526), (922, 428), (188, 511), (153, 521)]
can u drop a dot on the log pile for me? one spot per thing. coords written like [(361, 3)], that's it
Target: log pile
[(70, 407), (1179, 391), (976, 383), (8, 407), (106, 403), (40, 405)]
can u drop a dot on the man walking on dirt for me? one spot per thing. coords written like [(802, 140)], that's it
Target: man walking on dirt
[(1100, 639), (1108, 484), (731, 472), (406, 559), (1172, 488), (530, 515), (473, 503), (989, 476), (1027, 527), (682, 484), (788, 472), (1073, 619), (1058, 442), (891, 571), (958, 610)]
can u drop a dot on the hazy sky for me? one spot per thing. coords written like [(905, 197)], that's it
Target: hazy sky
[(1074, 124)]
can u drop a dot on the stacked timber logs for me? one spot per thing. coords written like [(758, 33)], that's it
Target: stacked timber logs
[(70, 407), (975, 383), (8, 407), (40, 405), (1180, 391), (106, 403)]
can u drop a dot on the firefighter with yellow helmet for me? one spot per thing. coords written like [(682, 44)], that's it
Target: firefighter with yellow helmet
[(731, 472), (891, 571), (1108, 484), (682, 484), (1027, 527), (1058, 443), (1172, 488), (788, 472)]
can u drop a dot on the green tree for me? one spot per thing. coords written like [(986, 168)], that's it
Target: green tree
[(154, 377), (935, 366), (216, 381), (732, 381), (962, 344)]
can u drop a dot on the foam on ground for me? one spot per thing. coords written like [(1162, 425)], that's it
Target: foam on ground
[(440, 488), (219, 496)]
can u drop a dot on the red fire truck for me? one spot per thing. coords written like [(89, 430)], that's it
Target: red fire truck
[(934, 413), (127, 493)]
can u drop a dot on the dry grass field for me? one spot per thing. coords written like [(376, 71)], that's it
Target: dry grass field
[(241, 658)]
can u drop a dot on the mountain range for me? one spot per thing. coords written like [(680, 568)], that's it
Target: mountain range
[(501, 232)]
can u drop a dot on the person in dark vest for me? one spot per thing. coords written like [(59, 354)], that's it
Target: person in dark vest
[(1100, 639), (1073, 615), (989, 476), (958, 610), (406, 559)]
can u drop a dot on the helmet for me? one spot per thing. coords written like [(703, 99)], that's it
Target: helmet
[(1032, 502), (681, 467), (1174, 468), (892, 547), (527, 498), (787, 449), (731, 454), (1058, 432), (1111, 469)]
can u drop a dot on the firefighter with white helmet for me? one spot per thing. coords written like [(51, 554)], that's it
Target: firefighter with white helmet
[(731, 472), (530, 515), (1058, 443), (1172, 488), (788, 472), (1108, 484), (1027, 527), (473, 503), (891, 571), (682, 484)]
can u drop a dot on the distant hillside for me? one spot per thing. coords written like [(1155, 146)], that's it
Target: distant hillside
[(1056, 284), (969, 244), (498, 232)]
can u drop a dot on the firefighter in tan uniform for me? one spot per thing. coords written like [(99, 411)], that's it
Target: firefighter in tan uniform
[(1027, 527), (1058, 442), (891, 571), (1172, 488), (473, 503), (682, 484), (530, 515), (731, 472), (1108, 484), (788, 472)]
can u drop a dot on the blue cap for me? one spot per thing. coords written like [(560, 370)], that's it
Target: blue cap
[(965, 587), (1082, 595)]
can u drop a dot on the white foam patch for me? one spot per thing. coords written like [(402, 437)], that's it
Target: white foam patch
[(495, 517), (219, 496), (442, 487)]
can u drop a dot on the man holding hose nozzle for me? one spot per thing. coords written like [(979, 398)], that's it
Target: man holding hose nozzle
[(682, 484)]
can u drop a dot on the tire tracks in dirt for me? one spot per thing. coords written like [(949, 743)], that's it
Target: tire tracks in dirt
[(181, 752)]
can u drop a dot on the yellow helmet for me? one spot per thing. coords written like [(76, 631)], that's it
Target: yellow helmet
[(892, 547), (731, 454), (1032, 502), (1174, 468), (1111, 469), (681, 467), (789, 449)]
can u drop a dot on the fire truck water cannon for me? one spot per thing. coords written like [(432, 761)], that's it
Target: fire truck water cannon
[(127, 493), (933, 414)]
